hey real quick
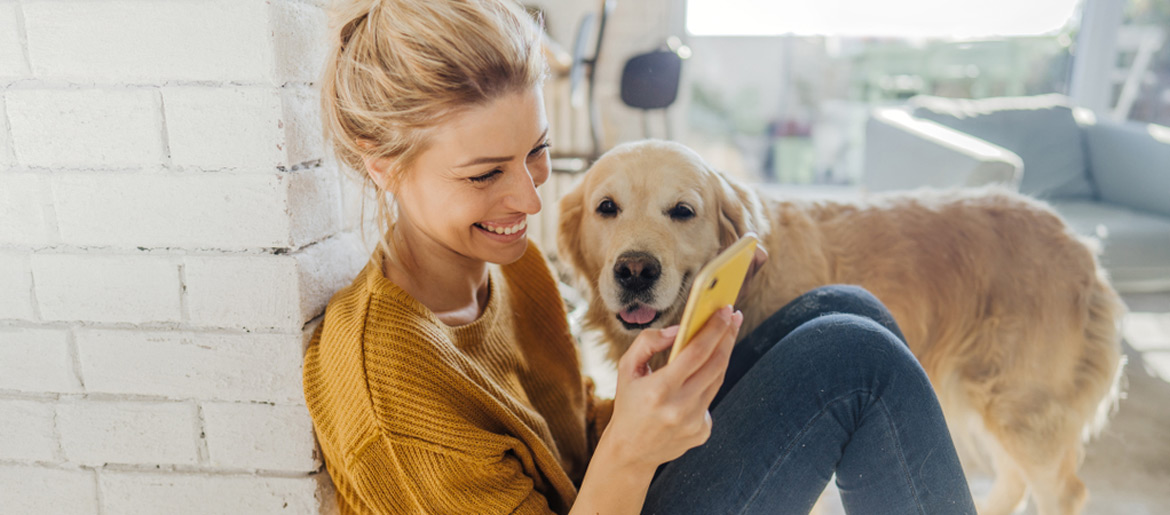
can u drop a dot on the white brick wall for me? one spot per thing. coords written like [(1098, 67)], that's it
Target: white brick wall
[(259, 436), (106, 288), (6, 157), (192, 365), (22, 213), (13, 64), (95, 433), (15, 286), (37, 360), (191, 494), (170, 232), (145, 41), (47, 491), (89, 128), (28, 431)]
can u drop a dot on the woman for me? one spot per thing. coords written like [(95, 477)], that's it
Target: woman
[(444, 378)]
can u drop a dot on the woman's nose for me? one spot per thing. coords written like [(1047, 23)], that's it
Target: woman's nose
[(523, 194)]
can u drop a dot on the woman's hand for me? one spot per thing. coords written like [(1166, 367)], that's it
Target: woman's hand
[(658, 415)]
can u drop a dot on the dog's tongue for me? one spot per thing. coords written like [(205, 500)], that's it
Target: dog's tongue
[(641, 315)]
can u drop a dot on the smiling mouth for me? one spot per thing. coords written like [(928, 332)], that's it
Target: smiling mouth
[(638, 316), (503, 230)]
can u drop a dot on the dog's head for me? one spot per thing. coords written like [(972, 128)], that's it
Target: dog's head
[(641, 224)]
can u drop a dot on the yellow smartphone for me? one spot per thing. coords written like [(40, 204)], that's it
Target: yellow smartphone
[(717, 285)]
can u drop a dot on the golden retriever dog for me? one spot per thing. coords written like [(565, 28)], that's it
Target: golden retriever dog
[(1007, 311)]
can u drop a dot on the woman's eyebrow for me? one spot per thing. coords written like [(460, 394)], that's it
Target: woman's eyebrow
[(484, 160)]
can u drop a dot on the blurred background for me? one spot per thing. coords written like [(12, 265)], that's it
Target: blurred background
[(172, 223)]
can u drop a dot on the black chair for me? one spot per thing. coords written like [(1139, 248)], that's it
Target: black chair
[(650, 81)]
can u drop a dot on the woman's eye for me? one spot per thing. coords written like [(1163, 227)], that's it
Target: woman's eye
[(539, 149), (607, 208), (681, 212), (486, 177)]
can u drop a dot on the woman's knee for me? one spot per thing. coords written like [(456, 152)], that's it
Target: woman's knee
[(846, 299), (853, 343)]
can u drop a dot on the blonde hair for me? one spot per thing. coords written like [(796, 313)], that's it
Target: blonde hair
[(398, 68)]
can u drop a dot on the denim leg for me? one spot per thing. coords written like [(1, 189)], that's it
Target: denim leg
[(836, 298), (837, 393)]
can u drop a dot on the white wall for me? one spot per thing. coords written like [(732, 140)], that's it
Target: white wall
[(170, 231)]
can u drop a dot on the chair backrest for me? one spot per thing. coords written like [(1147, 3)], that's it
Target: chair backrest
[(650, 80)]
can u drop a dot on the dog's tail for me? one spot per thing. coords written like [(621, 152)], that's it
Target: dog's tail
[(1101, 365)]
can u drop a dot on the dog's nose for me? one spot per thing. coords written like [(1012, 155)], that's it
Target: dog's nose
[(636, 271)]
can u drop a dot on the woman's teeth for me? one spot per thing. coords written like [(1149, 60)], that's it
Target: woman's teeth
[(505, 230)]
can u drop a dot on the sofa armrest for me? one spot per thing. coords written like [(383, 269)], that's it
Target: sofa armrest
[(904, 152), (1130, 164)]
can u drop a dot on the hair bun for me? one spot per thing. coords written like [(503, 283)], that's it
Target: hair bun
[(346, 16)]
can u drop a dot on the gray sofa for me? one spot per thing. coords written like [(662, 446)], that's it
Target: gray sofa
[(1110, 181)]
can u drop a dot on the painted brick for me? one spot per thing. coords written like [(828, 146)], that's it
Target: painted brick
[(36, 360), (22, 214), (106, 288), (302, 124), (205, 366), (7, 158), (45, 491), (90, 128), (129, 493), (15, 286), (13, 65), (95, 433), (225, 127), (327, 267), (27, 427), (251, 292), (190, 210), (144, 41), (260, 437), (300, 33), (313, 204)]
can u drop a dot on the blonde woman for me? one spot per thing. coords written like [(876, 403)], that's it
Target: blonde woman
[(444, 378)]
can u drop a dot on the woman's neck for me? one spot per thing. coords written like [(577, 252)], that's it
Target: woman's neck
[(452, 286)]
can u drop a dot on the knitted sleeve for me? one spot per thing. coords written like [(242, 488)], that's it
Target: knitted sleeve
[(392, 476)]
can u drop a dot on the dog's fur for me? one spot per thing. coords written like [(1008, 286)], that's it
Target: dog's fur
[(1009, 313)]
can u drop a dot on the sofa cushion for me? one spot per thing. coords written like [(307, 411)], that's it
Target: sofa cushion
[(1135, 245), (1131, 164), (1040, 129)]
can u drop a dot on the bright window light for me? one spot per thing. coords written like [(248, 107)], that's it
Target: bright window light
[(961, 19)]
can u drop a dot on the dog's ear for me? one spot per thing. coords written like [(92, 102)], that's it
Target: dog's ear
[(740, 210), (571, 208)]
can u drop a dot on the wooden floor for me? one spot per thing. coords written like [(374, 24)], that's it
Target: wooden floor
[(1127, 469)]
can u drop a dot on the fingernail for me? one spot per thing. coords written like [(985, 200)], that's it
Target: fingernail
[(737, 317), (725, 313), (670, 332)]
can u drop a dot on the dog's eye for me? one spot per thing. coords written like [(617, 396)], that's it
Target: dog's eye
[(607, 208), (681, 212)]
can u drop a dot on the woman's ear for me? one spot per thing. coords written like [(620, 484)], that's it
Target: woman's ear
[(380, 169), (571, 209)]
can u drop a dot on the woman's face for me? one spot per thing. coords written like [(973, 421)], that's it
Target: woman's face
[(472, 190)]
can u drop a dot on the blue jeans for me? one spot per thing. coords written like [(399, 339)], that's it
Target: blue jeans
[(825, 385)]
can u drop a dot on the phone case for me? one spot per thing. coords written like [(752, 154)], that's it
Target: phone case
[(717, 285)]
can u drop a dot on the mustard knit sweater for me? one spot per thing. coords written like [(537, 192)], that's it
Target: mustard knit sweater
[(414, 416)]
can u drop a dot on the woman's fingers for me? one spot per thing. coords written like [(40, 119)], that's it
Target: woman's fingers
[(705, 382), (648, 343), (700, 347)]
